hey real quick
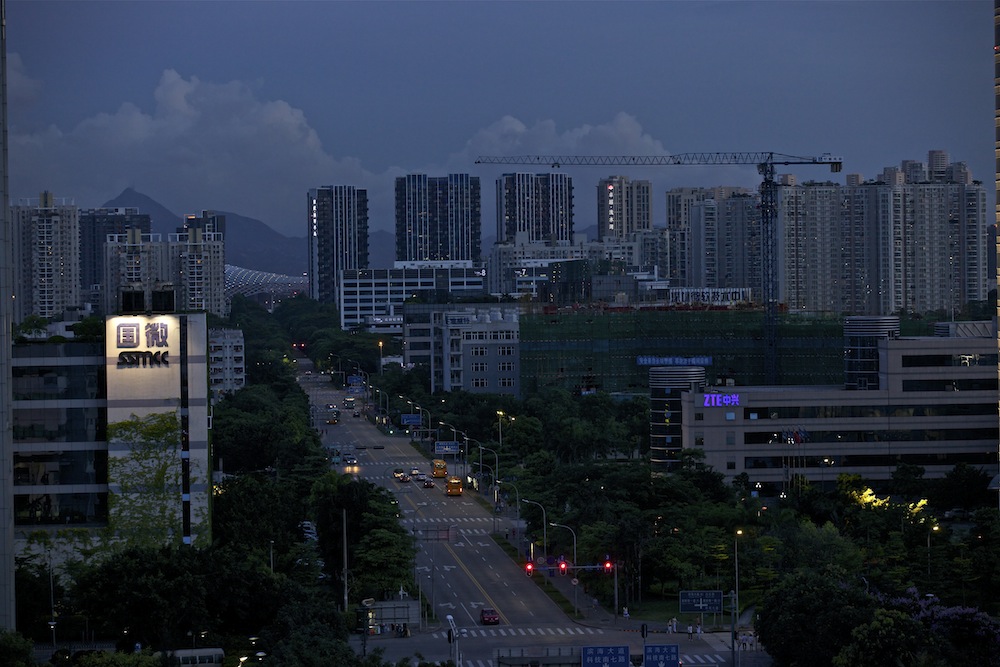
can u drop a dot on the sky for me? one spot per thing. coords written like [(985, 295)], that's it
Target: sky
[(243, 106)]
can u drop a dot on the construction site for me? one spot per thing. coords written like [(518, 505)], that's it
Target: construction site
[(588, 348)]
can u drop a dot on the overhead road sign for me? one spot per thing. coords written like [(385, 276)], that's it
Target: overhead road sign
[(701, 602)]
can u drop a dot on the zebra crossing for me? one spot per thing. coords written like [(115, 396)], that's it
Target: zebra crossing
[(570, 631), (685, 659)]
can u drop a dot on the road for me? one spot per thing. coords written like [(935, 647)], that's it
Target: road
[(459, 568)]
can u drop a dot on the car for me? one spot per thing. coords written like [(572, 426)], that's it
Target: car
[(420, 476), (428, 483), (404, 478), (398, 472), (357, 413), (414, 472), (331, 406), (332, 420), (351, 460), (489, 616)]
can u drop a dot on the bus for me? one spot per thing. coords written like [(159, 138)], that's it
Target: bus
[(453, 487), (439, 468), (204, 657)]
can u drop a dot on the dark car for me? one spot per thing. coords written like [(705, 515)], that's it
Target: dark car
[(357, 413), (404, 478), (489, 616), (428, 483)]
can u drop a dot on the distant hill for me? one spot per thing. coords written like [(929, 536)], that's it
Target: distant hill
[(250, 243)]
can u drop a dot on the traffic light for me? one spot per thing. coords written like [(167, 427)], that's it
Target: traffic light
[(563, 567), (529, 569), (608, 567)]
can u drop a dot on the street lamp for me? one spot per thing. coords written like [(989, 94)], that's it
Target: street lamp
[(500, 415), (933, 529), (517, 499), (380, 359), (454, 436), (545, 531), (496, 468), (736, 596), (576, 607)]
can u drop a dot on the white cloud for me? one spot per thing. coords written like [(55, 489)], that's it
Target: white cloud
[(216, 146)]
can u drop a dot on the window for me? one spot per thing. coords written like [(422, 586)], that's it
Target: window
[(505, 351), (506, 366), (480, 383), (478, 351), (507, 382), (479, 367)]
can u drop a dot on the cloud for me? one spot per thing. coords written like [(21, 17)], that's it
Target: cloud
[(203, 145)]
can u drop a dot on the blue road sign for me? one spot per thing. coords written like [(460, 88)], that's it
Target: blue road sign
[(701, 602), (661, 655), (354, 379), (355, 390), (410, 419), (604, 656), (445, 447)]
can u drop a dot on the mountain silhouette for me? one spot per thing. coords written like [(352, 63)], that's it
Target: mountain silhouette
[(250, 243)]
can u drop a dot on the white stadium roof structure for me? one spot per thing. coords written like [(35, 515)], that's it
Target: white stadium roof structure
[(250, 283)]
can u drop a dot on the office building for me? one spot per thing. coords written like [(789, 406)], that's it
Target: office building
[(46, 256), (70, 471), (227, 372), (623, 207), (535, 208), (7, 292), (96, 224), (372, 294), (337, 238), (438, 218), (468, 347), (929, 401)]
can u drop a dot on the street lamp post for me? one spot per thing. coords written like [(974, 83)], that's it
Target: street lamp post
[(496, 467), (736, 597), (545, 533), (454, 436), (380, 358), (517, 500), (500, 416), (576, 606), (933, 529)]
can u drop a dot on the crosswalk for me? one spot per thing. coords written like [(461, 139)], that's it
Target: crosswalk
[(686, 659), (499, 631)]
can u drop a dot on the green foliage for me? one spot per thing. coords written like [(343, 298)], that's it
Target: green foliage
[(146, 466), (110, 659), (891, 638), (15, 650)]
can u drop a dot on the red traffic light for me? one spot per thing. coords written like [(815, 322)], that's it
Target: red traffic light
[(608, 566), (563, 567), (529, 568)]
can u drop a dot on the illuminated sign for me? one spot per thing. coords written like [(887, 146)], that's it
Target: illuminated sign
[(130, 335), (673, 361), (721, 400)]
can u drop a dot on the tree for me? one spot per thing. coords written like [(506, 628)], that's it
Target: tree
[(16, 650), (808, 616), (146, 510), (891, 638)]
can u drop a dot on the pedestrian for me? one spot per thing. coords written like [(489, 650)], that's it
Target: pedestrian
[(506, 534), (625, 613), (673, 623), (690, 631), (596, 603), (699, 629)]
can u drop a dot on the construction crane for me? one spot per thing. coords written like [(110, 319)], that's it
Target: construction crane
[(765, 161)]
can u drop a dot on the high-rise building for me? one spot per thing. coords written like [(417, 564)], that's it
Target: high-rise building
[(187, 273), (623, 207), (537, 208), (7, 240), (438, 218), (337, 237), (95, 226), (198, 265), (46, 257)]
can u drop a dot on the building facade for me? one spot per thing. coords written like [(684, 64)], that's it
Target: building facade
[(624, 207), (539, 207), (927, 401), (96, 224), (438, 218), (227, 372), (337, 238), (378, 293), (468, 347), (46, 256)]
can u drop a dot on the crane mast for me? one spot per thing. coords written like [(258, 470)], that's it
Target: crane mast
[(765, 161)]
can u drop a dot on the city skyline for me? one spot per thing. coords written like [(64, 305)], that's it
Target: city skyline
[(268, 106)]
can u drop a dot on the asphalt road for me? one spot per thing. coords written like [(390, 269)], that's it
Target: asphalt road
[(460, 569)]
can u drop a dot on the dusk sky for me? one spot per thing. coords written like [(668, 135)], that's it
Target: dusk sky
[(244, 106)]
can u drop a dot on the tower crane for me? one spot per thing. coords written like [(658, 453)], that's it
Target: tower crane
[(765, 161)]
